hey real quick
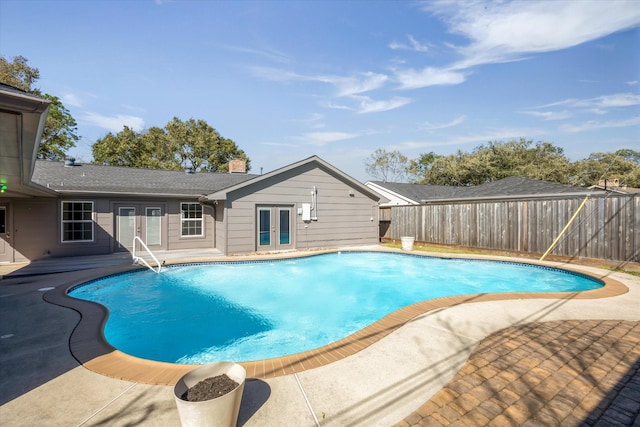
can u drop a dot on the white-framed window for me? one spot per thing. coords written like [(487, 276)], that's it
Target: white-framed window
[(191, 219), (77, 221)]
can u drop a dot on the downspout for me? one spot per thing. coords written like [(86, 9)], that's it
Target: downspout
[(314, 203)]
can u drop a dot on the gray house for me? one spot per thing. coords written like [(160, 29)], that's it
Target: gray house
[(50, 208)]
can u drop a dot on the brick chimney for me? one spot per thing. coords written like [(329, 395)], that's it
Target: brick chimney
[(609, 183), (237, 166)]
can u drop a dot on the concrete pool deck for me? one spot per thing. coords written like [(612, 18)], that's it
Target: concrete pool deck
[(382, 384)]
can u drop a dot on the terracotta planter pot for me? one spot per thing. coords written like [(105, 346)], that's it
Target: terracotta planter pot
[(221, 411)]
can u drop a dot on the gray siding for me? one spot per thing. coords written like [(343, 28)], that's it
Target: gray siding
[(36, 230), (220, 228), (37, 227), (343, 219)]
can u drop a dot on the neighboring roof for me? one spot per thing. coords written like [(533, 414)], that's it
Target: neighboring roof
[(416, 192), (520, 186), (511, 187), (96, 179), (222, 194)]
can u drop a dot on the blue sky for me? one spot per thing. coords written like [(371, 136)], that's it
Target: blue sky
[(289, 79)]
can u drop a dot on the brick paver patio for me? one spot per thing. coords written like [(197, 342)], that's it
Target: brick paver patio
[(561, 373)]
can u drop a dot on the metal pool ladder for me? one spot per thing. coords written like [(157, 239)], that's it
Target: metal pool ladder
[(137, 259)]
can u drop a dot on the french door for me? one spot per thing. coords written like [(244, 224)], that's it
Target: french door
[(143, 221), (274, 230)]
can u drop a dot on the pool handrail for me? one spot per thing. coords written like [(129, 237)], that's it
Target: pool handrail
[(137, 259)]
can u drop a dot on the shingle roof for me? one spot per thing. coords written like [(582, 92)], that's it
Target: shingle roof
[(519, 186), (90, 178), (514, 186), (419, 192)]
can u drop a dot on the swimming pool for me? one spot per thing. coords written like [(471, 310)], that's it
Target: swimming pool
[(245, 311)]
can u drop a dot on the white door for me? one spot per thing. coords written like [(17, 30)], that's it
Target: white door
[(142, 221)]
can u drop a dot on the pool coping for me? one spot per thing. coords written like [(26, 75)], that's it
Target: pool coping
[(90, 348)]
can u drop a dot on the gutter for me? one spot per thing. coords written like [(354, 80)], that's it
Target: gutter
[(122, 193)]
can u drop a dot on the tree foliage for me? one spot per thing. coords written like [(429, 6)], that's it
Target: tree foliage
[(192, 143), (387, 166), (543, 161), (59, 134), (623, 165)]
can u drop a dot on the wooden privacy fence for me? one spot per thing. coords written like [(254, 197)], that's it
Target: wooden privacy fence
[(606, 228)]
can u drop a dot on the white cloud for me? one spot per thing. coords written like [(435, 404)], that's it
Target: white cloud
[(71, 99), (632, 83), (413, 45), (353, 85), (414, 79), (428, 126), (267, 53), (595, 125), (550, 115), (368, 105), (323, 138), (345, 86), (315, 120), (507, 31), (616, 100), (114, 123)]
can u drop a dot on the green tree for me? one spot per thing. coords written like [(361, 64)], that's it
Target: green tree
[(19, 74), (179, 144), (59, 134), (623, 165), (123, 149), (388, 166), (492, 162)]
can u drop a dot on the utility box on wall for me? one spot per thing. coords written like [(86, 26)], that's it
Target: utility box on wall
[(306, 211)]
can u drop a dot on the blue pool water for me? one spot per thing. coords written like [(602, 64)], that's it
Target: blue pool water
[(256, 310)]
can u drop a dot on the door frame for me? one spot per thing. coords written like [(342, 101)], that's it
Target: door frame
[(140, 223), (276, 229), (7, 251)]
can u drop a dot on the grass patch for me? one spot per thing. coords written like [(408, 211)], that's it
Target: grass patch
[(620, 270), (447, 250)]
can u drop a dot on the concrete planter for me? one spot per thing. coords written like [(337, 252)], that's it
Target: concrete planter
[(407, 243), (221, 411)]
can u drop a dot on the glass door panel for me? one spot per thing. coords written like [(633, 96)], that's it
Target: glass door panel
[(264, 226), (153, 226), (284, 226), (126, 226)]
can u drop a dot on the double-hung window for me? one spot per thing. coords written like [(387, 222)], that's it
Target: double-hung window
[(190, 219), (77, 221)]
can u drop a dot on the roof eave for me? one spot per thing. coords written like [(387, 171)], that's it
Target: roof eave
[(125, 193), (397, 195)]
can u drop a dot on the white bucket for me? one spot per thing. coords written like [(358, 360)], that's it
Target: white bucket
[(407, 243), (222, 411)]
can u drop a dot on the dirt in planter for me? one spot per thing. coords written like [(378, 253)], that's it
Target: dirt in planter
[(210, 388)]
